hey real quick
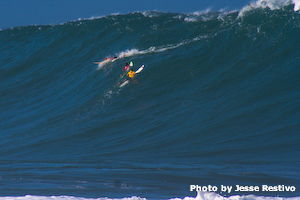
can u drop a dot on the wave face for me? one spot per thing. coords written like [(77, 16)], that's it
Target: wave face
[(216, 104)]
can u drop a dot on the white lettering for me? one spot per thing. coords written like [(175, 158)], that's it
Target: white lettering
[(203, 188), (246, 188), (226, 188), (192, 187), (214, 188), (290, 188), (280, 188), (265, 188), (241, 188)]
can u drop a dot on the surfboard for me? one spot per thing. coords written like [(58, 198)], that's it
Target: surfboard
[(140, 69), (136, 72), (124, 83), (104, 62), (112, 59)]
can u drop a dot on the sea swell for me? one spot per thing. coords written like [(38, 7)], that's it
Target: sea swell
[(217, 103)]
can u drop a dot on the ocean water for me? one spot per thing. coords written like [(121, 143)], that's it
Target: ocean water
[(217, 105)]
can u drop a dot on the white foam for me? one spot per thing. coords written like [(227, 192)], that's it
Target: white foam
[(200, 196), (151, 14), (159, 49), (30, 197), (215, 196), (297, 5), (190, 19), (199, 13), (272, 4), (204, 15), (128, 53)]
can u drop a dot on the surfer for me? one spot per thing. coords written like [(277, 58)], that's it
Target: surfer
[(126, 68), (111, 58), (129, 75), (106, 60)]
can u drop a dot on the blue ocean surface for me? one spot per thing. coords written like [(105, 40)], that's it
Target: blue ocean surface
[(217, 105)]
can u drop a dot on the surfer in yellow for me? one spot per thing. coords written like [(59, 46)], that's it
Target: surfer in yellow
[(130, 74)]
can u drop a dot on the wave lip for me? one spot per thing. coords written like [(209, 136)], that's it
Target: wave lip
[(297, 5), (271, 4)]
